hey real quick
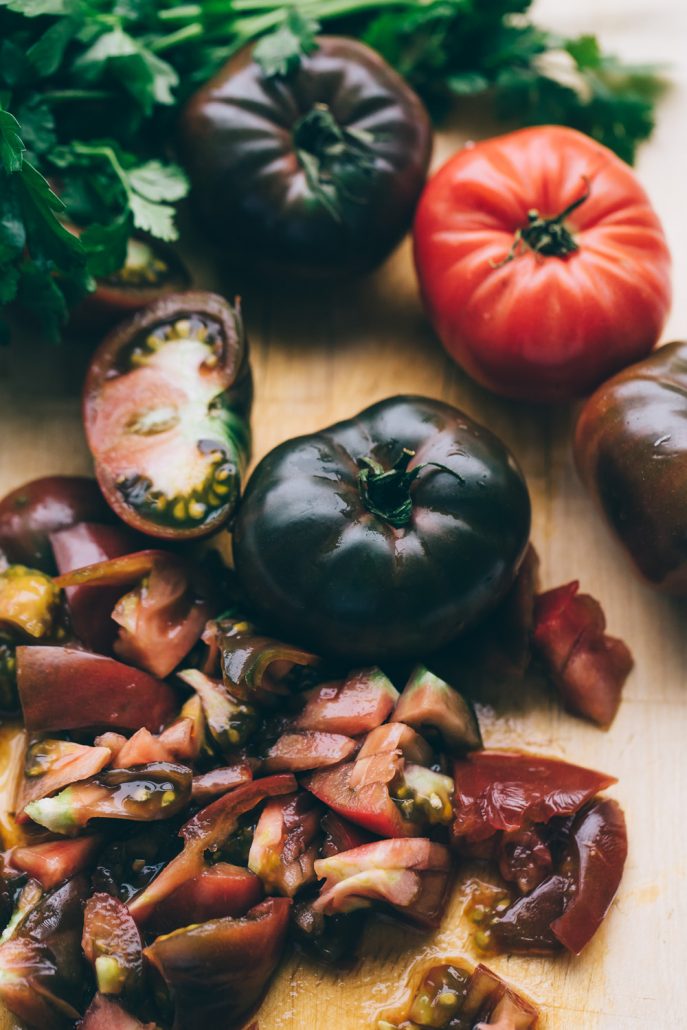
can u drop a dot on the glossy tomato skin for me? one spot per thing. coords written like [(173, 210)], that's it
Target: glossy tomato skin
[(318, 564), (240, 140), (29, 514), (541, 327), (631, 453), (166, 407)]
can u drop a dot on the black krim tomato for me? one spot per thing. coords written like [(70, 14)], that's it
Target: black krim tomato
[(385, 535), (166, 409), (313, 174)]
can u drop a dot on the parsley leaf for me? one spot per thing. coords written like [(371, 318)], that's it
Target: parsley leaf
[(280, 53), (11, 144)]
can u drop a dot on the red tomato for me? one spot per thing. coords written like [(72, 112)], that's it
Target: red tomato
[(285, 844), (543, 267)]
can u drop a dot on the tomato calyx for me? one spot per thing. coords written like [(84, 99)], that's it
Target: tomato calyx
[(386, 491), (550, 237), (337, 161)]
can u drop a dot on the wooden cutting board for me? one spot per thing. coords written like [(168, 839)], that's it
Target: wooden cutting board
[(321, 355)]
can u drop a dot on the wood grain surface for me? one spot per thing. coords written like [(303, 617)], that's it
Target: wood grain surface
[(321, 354)]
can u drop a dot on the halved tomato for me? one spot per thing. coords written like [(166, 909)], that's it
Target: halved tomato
[(167, 401)]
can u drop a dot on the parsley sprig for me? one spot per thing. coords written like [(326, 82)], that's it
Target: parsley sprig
[(90, 89)]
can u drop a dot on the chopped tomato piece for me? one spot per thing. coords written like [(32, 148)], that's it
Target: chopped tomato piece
[(369, 805), (105, 1014), (452, 994), (260, 669), (309, 749), (208, 786), (352, 707), (204, 834), (410, 875), (218, 891), (431, 706), (50, 765), (55, 861), (29, 603), (85, 544), (285, 844), (594, 862), (217, 971), (112, 944), (229, 722), (505, 790), (588, 667), (148, 792), (340, 835), (61, 688)]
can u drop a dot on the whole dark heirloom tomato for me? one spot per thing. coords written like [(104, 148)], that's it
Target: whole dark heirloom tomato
[(384, 535), (167, 401), (313, 174), (631, 452), (543, 267)]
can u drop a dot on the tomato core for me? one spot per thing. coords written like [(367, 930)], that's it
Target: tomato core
[(548, 236)]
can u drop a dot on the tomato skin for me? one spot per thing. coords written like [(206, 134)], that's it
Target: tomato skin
[(217, 971), (219, 891), (29, 514), (631, 453), (320, 558), (239, 141), (541, 328), (163, 430)]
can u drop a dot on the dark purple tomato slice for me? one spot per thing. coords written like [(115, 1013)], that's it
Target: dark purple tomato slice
[(504, 790), (55, 861), (432, 706), (166, 406), (370, 805), (340, 835), (218, 891), (412, 876), (83, 544), (112, 945), (217, 971), (29, 514), (355, 706), (151, 271), (594, 863), (61, 688), (159, 790)]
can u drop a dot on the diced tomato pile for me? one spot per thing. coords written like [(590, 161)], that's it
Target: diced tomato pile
[(193, 790)]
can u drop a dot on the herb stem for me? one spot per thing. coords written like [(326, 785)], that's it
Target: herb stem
[(185, 12), (174, 39)]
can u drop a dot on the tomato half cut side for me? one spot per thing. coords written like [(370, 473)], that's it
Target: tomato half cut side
[(166, 410)]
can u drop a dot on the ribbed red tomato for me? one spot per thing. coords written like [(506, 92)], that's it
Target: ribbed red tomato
[(543, 267)]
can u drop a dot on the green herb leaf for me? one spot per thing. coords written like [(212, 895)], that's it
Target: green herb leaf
[(281, 52), (105, 245), (11, 145), (157, 181)]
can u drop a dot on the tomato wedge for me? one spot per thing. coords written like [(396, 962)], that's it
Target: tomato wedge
[(504, 790), (85, 544), (61, 688), (166, 406), (217, 971), (105, 1014), (55, 861), (50, 765), (285, 844), (218, 891), (588, 667), (112, 944), (355, 706), (210, 785), (412, 876), (298, 752)]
